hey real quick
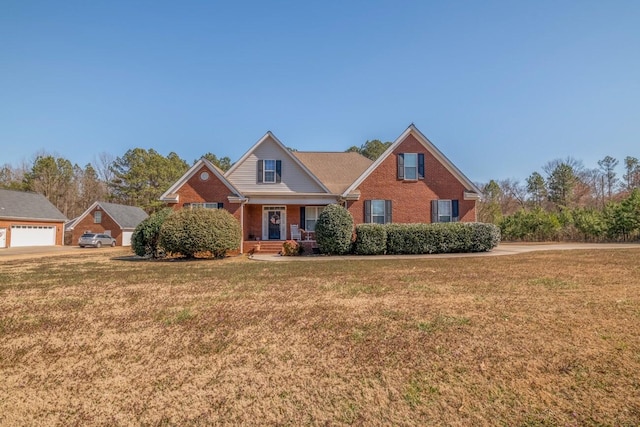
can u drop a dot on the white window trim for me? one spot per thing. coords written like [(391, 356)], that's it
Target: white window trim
[(317, 210), (265, 171), (450, 204), (97, 217), (406, 168), (384, 211), (206, 205)]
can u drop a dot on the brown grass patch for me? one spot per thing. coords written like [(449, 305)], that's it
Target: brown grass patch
[(546, 338)]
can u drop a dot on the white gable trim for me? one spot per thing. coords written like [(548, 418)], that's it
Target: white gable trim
[(283, 148), (413, 130), (168, 195), (86, 213)]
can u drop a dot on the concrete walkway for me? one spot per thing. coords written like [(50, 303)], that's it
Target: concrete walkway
[(502, 249)]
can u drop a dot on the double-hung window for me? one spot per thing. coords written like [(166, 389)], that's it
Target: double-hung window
[(377, 211), (411, 166), (311, 215), (97, 217), (269, 171), (203, 205), (444, 211)]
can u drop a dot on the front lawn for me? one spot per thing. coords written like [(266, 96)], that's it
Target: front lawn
[(546, 338)]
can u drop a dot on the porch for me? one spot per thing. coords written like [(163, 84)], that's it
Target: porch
[(267, 227)]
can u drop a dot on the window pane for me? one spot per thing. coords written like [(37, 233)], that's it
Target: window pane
[(410, 173), (377, 219), (410, 166), (269, 176), (310, 224), (377, 207), (444, 207), (270, 165)]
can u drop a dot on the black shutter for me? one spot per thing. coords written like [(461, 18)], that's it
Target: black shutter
[(260, 170), (420, 166), (455, 212), (278, 170), (220, 205), (303, 218), (387, 212), (367, 211), (401, 166), (434, 211)]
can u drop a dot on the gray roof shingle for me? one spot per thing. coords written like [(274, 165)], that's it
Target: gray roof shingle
[(126, 216), (24, 205)]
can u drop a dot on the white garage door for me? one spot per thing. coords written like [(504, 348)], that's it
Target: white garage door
[(32, 235), (126, 238)]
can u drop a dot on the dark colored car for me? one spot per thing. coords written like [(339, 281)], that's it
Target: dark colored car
[(96, 240)]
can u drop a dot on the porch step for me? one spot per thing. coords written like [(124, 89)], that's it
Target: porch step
[(264, 246)]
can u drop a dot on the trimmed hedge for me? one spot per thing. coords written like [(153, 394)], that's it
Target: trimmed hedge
[(453, 237), (371, 239), (334, 230), (145, 240), (190, 232)]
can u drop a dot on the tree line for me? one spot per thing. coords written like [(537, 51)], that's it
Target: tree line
[(137, 178), (567, 201)]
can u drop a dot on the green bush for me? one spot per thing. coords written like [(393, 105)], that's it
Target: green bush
[(145, 240), (532, 225), (334, 230), (198, 231), (371, 239), (453, 237)]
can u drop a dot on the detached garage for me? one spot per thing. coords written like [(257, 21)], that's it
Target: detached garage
[(29, 219), (113, 219)]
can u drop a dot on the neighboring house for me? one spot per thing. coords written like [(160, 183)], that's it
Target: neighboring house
[(29, 219), (118, 221), (271, 188)]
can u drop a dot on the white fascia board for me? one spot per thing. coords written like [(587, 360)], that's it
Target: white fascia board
[(412, 129), (167, 195), (297, 161)]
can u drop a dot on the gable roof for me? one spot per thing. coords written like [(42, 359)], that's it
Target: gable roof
[(123, 215), (25, 205), (270, 135), (413, 130), (337, 170), (169, 195)]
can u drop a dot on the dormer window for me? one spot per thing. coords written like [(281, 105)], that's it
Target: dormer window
[(269, 171)]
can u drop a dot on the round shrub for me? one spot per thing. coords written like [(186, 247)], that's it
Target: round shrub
[(371, 239), (334, 230), (145, 238), (190, 232)]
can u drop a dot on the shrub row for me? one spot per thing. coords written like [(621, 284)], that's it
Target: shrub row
[(201, 232), (375, 239)]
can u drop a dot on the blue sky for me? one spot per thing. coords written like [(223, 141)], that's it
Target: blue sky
[(501, 87)]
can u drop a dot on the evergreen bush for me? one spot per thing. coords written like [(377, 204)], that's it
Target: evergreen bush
[(334, 230), (145, 240), (439, 238), (371, 239), (199, 231)]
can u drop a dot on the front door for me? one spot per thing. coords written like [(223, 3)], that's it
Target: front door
[(274, 222), (275, 218), (3, 237)]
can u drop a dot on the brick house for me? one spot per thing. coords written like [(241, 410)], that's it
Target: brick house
[(275, 192), (29, 219), (113, 219)]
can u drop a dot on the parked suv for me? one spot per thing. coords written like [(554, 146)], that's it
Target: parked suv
[(96, 240)]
